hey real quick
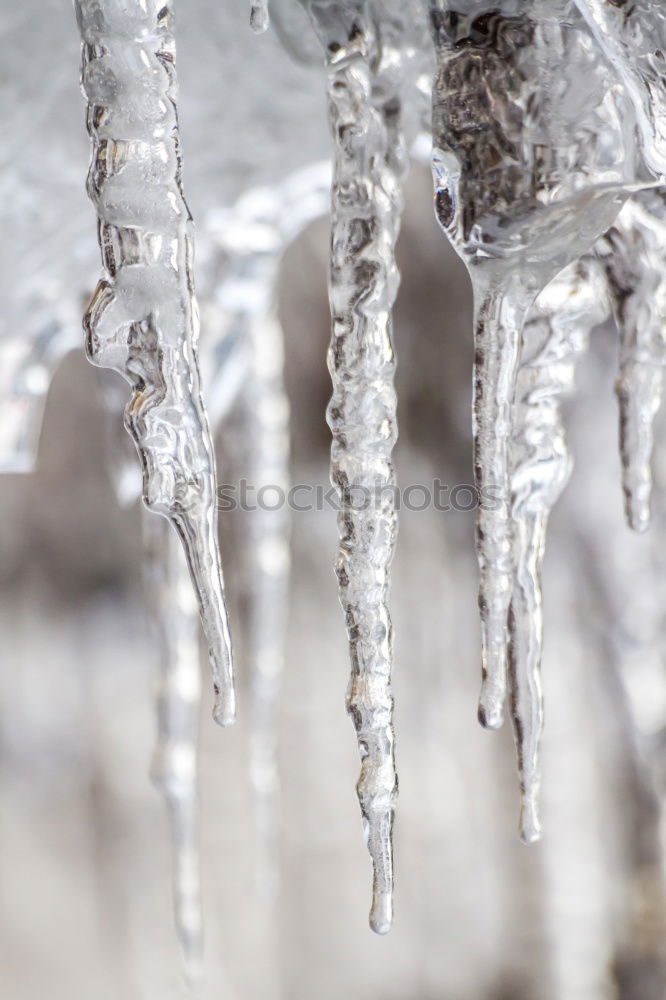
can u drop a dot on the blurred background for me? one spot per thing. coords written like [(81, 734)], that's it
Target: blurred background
[(85, 895)]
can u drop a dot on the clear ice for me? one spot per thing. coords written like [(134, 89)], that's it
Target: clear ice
[(633, 38), (634, 253), (523, 186), (370, 161), (549, 192), (555, 333), (142, 320)]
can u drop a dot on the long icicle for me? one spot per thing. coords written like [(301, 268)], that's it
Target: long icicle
[(517, 217), (503, 295), (370, 160), (635, 264), (142, 320), (269, 528), (554, 335), (174, 769)]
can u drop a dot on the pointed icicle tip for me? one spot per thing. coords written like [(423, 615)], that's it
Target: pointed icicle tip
[(637, 514), (259, 17), (224, 711), (381, 914), (491, 709), (193, 973), (530, 824)]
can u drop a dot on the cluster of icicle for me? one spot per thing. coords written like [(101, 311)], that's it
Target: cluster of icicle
[(529, 175), (530, 170), (533, 176), (143, 323)]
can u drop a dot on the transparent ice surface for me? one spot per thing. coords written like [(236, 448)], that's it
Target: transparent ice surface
[(241, 361), (634, 253), (537, 168), (634, 39), (555, 333), (48, 266), (363, 58), (142, 320), (174, 769), (528, 173)]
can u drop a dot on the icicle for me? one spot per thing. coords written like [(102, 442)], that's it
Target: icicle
[(498, 321), (142, 320), (554, 334), (259, 16), (370, 160), (635, 262), (521, 192), (252, 236), (174, 771), (269, 563)]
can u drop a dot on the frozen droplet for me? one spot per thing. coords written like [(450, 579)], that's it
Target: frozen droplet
[(506, 89)]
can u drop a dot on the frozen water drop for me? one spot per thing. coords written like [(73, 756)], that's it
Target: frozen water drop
[(554, 335)]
